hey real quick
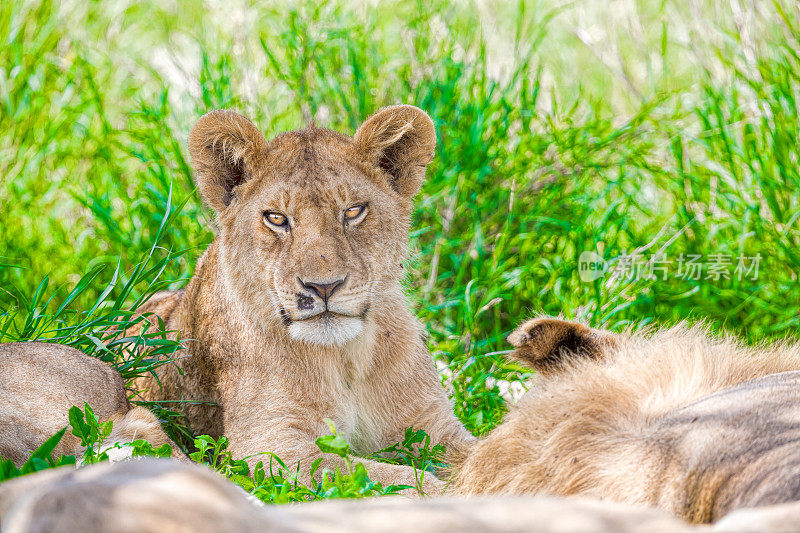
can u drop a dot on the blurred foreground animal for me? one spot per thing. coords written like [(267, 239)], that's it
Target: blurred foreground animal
[(39, 382), (676, 419), (162, 495), (156, 496)]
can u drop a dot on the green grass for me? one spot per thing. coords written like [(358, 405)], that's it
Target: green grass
[(655, 128), (273, 482)]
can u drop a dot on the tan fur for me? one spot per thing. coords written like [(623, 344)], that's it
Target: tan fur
[(545, 343), (267, 356), (675, 418), (156, 496), (137, 496), (39, 382)]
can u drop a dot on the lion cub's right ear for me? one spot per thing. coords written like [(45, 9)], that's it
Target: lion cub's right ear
[(225, 148), (546, 344)]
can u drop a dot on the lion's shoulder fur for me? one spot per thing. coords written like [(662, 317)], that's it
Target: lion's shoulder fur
[(615, 426)]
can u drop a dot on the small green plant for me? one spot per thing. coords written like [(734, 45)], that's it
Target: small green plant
[(87, 427), (416, 449), (277, 486), (354, 481), (92, 434), (214, 453), (274, 482), (40, 459), (277, 483), (142, 448)]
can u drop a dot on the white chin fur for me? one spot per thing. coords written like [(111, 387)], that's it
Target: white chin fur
[(327, 331)]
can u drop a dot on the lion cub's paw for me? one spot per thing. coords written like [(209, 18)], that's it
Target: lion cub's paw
[(138, 423), (546, 344)]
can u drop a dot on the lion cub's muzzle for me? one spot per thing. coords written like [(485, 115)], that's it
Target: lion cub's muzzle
[(330, 296), (328, 311), (323, 290)]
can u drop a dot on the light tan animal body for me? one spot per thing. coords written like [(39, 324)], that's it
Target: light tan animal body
[(675, 419), (39, 382), (295, 312), (157, 496), (144, 495)]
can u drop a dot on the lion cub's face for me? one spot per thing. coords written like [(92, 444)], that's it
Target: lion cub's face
[(314, 224)]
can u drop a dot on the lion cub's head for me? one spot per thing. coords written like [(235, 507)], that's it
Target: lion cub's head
[(313, 225)]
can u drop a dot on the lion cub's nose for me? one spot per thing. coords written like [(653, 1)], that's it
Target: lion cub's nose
[(323, 290)]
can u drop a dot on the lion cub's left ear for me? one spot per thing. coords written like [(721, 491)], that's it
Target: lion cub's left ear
[(401, 141)]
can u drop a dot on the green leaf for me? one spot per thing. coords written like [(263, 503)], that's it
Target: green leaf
[(79, 427), (243, 481), (105, 429), (8, 470), (333, 444), (46, 449)]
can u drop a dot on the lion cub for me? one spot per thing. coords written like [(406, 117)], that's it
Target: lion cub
[(673, 418), (41, 381), (296, 311)]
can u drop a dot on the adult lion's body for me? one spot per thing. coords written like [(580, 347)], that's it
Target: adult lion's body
[(295, 312), (39, 382), (676, 419)]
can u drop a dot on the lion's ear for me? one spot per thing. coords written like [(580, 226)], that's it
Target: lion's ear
[(401, 141), (546, 344), (225, 148)]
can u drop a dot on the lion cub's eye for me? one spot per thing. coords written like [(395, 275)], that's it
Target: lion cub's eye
[(355, 212), (275, 219)]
